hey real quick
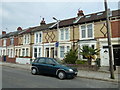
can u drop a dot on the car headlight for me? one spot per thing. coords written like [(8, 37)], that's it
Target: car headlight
[(70, 70)]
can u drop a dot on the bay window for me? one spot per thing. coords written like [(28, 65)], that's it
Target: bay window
[(62, 51)]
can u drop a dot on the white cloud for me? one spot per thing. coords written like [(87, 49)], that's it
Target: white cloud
[(26, 14)]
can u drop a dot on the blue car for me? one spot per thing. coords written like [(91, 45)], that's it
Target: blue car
[(44, 65)]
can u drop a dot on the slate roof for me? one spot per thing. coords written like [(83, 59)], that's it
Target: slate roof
[(42, 27), (15, 33)]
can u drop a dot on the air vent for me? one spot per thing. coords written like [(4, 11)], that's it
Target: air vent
[(99, 14), (87, 16), (77, 19)]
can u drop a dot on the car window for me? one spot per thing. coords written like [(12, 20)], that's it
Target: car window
[(49, 61), (36, 60), (41, 60)]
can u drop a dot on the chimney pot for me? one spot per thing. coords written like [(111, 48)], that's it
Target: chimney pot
[(3, 32), (19, 29), (80, 13), (42, 22)]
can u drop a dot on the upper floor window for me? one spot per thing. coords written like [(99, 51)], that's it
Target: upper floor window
[(87, 31), (26, 39), (89, 27), (4, 42), (64, 34), (83, 29), (11, 41), (38, 37)]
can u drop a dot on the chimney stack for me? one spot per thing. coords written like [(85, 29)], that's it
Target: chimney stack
[(80, 13), (19, 29), (42, 22), (3, 32)]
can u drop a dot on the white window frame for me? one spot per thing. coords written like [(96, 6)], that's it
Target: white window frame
[(64, 34), (11, 41), (62, 51), (39, 52), (27, 52), (4, 42), (86, 35), (37, 40), (65, 50), (89, 45)]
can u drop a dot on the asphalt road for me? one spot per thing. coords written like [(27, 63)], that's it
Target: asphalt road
[(19, 78)]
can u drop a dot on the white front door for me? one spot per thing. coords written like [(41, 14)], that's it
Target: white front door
[(104, 57)]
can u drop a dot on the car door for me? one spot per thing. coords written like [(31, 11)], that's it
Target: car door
[(41, 65), (51, 67)]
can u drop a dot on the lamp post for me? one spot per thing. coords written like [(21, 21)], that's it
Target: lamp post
[(58, 37), (109, 42)]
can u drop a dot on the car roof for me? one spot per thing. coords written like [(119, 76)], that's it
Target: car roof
[(44, 57)]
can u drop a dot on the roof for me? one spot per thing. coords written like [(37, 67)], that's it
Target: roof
[(116, 13), (42, 27), (15, 33), (28, 30), (67, 22)]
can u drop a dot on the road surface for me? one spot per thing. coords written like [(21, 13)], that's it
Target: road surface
[(19, 78)]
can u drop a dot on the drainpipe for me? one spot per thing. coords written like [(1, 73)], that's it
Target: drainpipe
[(73, 38)]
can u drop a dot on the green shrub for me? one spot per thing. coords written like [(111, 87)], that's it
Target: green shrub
[(80, 62), (71, 57)]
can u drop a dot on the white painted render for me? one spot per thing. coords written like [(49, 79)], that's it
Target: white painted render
[(104, 53)]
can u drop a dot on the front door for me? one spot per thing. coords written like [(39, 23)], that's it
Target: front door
[(105, 56), (47, 52), (52, 52), (116, 56)]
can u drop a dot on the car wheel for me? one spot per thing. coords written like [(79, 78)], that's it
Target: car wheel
[(34, 71), (61, 75)]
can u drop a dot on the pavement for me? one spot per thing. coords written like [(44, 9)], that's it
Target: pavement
[(102, 74)]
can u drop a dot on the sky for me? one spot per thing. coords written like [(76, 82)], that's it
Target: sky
[(29, 14)]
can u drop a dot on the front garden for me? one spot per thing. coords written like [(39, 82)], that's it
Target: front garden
[(71, 59)]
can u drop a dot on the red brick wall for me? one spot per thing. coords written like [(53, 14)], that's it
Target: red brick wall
[(16, 41), (115, 26), (1, 42), (8, 42), (11, 60)]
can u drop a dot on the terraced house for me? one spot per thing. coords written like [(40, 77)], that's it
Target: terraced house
[(55, 39), (9, 42)]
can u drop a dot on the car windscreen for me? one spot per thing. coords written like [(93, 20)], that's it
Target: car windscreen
[(55, 61)]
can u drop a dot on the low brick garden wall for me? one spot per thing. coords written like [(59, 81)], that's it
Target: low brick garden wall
[(84, 67)]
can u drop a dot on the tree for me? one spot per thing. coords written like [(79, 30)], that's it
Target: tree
[(71, 56), (89, 53)]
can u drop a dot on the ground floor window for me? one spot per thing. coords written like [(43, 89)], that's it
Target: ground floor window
[(23, 52), (19, 51), (91, 45), (62, 51), (35, 52), (68, 48), (39, 52), (26, 51)]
